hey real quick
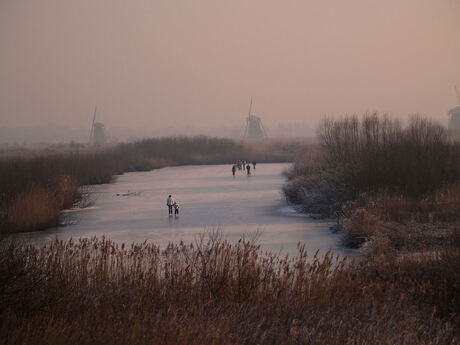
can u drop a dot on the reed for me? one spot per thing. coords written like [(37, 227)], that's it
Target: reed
[(212, 292)]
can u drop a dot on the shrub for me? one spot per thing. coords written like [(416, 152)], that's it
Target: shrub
[(377, 154), (372, 155)]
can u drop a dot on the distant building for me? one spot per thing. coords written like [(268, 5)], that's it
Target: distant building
[(98, 134), (254, 128), (453, 125), (454, 121)]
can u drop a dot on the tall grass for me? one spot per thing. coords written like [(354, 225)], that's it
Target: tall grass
[(35, 186), (212, 292)]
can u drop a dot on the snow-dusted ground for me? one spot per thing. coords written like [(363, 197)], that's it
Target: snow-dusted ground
[(133, 209)]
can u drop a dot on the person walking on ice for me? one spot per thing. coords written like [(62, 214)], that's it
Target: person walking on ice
[(170, 203), (176, 208)]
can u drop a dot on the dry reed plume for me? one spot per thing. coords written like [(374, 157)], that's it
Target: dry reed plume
[(212, 292)]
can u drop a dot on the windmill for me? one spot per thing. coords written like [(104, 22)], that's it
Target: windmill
[(254, 128), (453, 125), (97, 135)]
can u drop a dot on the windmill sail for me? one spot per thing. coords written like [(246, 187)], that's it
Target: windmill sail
[(92, 124), (254, 128)]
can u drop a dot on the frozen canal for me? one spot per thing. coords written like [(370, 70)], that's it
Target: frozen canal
[(133, 209)]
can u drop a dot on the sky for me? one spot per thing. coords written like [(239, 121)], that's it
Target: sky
[(154, 64)]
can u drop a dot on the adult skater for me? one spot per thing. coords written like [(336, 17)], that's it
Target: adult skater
[(233, 170), (170, 204), (248, 168)]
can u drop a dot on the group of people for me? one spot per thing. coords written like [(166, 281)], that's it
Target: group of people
[(172, 204), (245, 166)]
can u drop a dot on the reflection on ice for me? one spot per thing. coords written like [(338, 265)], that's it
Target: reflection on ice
[(79, 209), (291, 211)]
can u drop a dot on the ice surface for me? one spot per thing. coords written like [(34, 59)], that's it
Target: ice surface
[(134, 209)]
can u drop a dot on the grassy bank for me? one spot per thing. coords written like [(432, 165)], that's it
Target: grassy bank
[(382, 179), (212, 292), (36, 185)]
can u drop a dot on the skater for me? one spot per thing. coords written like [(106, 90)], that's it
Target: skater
[(233, 170), (244, 165), (176, 208), (170, 203), (254, 165), (238, 164), (248, 167)]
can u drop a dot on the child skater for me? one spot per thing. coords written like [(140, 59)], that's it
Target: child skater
[(176, 208)]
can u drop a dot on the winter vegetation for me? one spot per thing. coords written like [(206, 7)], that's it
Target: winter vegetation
[(404, 289), (382, 180), (93, 291), (36, 185)]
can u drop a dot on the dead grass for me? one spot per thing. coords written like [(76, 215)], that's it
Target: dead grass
[(407, 224), (212, 292), (40, 207)]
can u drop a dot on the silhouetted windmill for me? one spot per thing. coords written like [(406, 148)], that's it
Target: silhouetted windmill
[(254, 128), (454, 117), (97, 135)]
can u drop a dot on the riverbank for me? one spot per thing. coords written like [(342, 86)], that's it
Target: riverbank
[(392, 187), (36, 185), (95, 291)]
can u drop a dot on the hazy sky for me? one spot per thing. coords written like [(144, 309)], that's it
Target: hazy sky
[(149, 64)]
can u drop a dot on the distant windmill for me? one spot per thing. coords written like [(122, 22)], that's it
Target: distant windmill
[(454, 117), (254, 128), (97, 135)]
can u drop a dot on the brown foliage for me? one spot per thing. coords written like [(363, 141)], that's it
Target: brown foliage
[(374, 154), (212, 292), (40, 207), (402, 223)]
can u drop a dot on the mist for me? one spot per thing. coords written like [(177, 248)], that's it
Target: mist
[(189, 67)]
